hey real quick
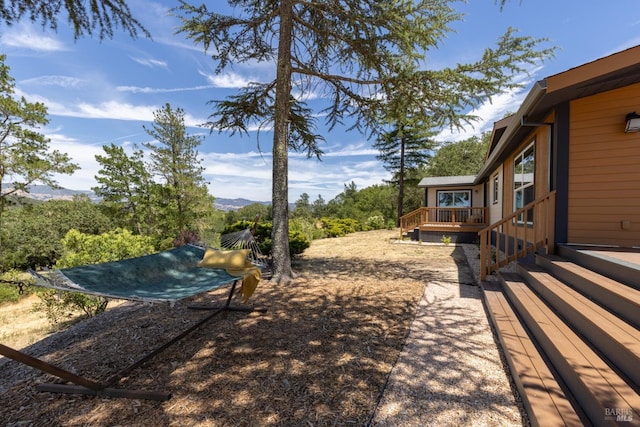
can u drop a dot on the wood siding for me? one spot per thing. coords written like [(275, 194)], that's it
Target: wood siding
[(604, 170), (496, 209), (541, 136), (542, 164)]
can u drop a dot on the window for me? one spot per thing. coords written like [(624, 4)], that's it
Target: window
[(523, 177), (454, 199), (496, 190)]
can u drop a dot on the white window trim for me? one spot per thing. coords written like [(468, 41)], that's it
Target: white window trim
[(520, 154)]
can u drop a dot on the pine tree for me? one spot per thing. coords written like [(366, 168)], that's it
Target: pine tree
[(359, 54), (175, 160), (25, 154)]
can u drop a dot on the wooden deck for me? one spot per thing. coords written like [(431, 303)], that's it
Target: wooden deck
[(571, 338)]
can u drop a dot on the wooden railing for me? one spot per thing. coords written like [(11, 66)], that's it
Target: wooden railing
[(525, 231), (443, 216)]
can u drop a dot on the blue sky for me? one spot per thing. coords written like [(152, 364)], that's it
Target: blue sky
[(99, 93)]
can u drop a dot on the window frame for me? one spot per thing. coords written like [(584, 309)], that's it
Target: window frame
[(522, 186)]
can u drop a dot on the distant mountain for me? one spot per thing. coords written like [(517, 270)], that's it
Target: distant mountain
[(44, 193), (234, 204)]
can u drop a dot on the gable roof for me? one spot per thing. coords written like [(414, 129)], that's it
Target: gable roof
[(604, 74)]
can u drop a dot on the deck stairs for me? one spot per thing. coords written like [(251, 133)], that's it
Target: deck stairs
[(571, 338)]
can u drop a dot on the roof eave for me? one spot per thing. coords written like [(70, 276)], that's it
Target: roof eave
[(534, 96)]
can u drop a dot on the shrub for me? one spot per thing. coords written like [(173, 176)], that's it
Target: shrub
[(298, 241), (338, 227), (82, 249), (60, 306), (375, 222)]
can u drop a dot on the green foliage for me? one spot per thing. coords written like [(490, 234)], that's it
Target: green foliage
[(82, 249), (102, 16), (25, 155), (464, 157), (250, 213), (126, 188), (9, 290), (309, 227), (8, 293), (114, 245), (59, 306), (33, 233), (298, 240), (446, 240), (338, 227), (375, 222), (186, 203)]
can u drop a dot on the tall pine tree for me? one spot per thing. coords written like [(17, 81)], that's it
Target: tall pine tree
[(174, 158), (353, 52)]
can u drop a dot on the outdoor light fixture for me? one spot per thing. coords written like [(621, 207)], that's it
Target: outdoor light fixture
[(633, 123)]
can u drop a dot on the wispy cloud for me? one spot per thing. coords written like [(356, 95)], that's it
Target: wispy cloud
[(149, 62), (148, 90), (59, 81), (227, 80), (493, 110), (25, 37)]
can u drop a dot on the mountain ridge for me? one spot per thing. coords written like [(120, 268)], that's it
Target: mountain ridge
[(44, 193)]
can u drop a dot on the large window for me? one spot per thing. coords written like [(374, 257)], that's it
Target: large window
[(523, 177), (454, 199)]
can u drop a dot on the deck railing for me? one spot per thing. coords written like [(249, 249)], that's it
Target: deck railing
[(443, 216), (518, 235)]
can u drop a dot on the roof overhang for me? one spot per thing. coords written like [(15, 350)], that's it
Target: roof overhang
[(447, 181), (602, 75)]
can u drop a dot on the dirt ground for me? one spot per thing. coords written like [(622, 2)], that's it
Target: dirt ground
[(320, 356)]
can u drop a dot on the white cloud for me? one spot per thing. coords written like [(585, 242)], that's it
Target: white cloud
[(112, 110), (25, 37), (148, 90), (151, 63), (227, 80), (59, 81), (493, 110)]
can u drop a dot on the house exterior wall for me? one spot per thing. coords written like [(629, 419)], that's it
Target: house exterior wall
[(540, 135), (495, 208), (604, 170)]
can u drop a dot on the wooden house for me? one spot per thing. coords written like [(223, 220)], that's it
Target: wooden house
[(560, 194)]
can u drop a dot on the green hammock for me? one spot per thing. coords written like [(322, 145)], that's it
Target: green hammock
[(161, 277)]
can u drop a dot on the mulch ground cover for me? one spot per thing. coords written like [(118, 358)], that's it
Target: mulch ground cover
[(320, 355)]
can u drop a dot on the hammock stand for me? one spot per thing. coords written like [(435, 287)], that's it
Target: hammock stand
[(166, 279)]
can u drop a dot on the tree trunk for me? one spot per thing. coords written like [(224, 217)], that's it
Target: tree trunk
[(401, 182), (280, 192)]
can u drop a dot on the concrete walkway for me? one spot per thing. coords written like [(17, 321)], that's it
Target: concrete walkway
[(450, 372)]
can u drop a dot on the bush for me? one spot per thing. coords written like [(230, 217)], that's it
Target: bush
[(375, 222), (10, 292), (60, 306), (82, 249), (338, 227), (298, 241)]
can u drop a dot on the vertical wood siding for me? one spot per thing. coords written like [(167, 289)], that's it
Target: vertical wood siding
[(604, 170)]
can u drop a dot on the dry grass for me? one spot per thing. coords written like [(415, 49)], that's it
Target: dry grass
[(320, 356), (21, 326)]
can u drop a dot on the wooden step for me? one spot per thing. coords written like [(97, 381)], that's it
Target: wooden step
[(596, 259), (543, 398), (616, 339), (615, 296), (597, 388)]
